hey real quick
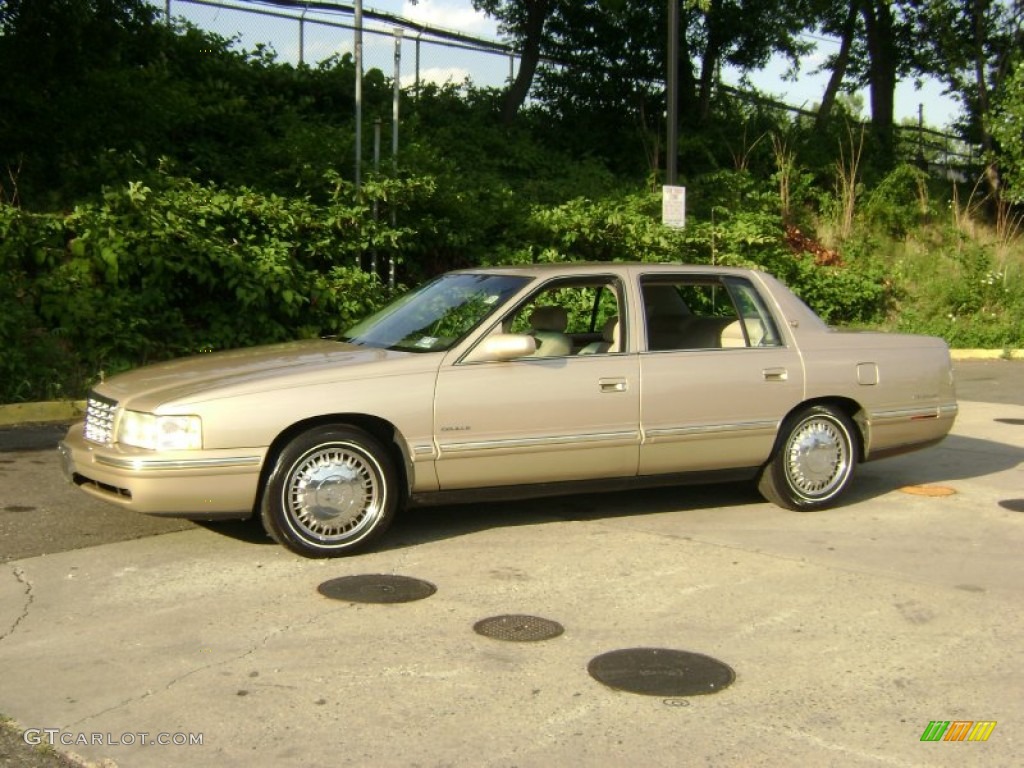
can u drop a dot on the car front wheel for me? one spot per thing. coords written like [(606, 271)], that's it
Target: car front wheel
[(813, 461), (332, 491)]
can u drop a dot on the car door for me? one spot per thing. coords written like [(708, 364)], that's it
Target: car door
[(718, 377), (572, 415)]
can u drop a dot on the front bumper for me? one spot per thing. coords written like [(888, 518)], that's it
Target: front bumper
[(200, 485)]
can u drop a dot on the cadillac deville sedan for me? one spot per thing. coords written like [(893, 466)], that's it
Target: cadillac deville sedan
[(527, 380)]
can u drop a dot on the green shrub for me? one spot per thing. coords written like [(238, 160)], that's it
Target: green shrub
[(150, 273), (900, 202)]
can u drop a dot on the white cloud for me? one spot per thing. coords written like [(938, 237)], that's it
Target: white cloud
[(438, 76), (456, 15)]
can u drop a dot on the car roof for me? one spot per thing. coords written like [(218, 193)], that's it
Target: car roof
[(594, 267)]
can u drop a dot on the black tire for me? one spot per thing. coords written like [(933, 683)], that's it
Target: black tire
[(332, 491), (813, 460)]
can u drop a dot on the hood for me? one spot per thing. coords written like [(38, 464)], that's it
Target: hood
[(256, 369)]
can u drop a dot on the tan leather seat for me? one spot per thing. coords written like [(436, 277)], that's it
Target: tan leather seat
[(548, 324), (609, 339), (732, 334)]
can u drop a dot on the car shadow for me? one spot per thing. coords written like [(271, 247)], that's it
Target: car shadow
[(423, 524), (249, 530), (956, 458), (429, 523)]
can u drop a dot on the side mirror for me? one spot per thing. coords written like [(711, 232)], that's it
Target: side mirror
[(502, 346)]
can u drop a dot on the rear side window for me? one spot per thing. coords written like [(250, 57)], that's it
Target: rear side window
[(705, 312)]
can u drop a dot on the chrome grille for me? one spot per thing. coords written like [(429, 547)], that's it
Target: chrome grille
[(99, 419)]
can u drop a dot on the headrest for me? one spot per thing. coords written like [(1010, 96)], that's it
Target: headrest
[(549, 318), (610, 332)]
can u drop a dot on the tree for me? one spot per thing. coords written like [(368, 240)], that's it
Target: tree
[(745, 34), (62, 62), (846, 29), (971, 45), (1008, 127), (603, 62), (524, 21)]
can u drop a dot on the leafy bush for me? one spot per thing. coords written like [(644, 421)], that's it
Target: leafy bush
[(180, 194), (147, 274), (900, 202), (627, 228), (976, 304)]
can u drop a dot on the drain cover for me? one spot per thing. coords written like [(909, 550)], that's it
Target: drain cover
[(661, 672), (1014, 422), (1014, 505), (376, 588), (516, 628)]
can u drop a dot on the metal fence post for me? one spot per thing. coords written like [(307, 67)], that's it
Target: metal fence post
[(396, 96), (394, 141), (359, 96), (376, 202), (416, 87)]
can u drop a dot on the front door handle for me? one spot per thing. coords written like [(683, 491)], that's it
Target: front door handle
[(775, 374), (613, 385)]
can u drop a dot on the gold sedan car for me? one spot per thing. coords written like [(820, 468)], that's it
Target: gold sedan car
[(526, 380)]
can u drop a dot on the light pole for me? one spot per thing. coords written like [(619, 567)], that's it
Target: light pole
[(672, 95), (359, 96)]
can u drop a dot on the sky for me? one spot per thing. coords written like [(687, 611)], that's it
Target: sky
[(445, 64)]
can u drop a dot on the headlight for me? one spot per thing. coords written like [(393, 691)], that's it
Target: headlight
[(160, 433)]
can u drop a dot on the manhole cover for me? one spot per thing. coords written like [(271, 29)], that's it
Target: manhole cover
[(661, 672), (516, 628), (376, 588), (1014, 422), (1014, 505), (928, 490)]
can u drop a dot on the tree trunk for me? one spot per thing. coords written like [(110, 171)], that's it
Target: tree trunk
[(842, 61), (980, 62), (709, 62), (687, 82), (882, 65), (537, 12)]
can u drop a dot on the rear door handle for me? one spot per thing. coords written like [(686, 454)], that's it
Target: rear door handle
[(775, 374), (613, 385)]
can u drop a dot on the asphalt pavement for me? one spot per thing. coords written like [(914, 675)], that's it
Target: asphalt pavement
[(848, 631)]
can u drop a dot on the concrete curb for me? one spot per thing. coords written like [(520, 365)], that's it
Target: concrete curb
[(73, 410), (41, 413), (987, 354)]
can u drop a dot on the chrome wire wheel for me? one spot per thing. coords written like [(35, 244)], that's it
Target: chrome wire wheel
[(813, 461), (817, 457), (332, 490)]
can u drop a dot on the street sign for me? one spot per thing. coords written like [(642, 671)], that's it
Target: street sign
[(673, 206)]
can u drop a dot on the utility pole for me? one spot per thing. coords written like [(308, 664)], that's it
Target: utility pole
[(672, 95), (359, 96)]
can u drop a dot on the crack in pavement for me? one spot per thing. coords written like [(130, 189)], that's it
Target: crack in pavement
[(173, 682), (19, 574)]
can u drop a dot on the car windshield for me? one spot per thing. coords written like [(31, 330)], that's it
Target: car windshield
[(436, 315)]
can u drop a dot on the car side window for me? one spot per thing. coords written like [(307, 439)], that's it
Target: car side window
[(758, 322), (705, 312), (572, 317)]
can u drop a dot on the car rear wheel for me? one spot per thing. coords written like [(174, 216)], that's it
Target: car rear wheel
[(332, 491), (813, 461)]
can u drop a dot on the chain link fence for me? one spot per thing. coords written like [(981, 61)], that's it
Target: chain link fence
[(310, 33)]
